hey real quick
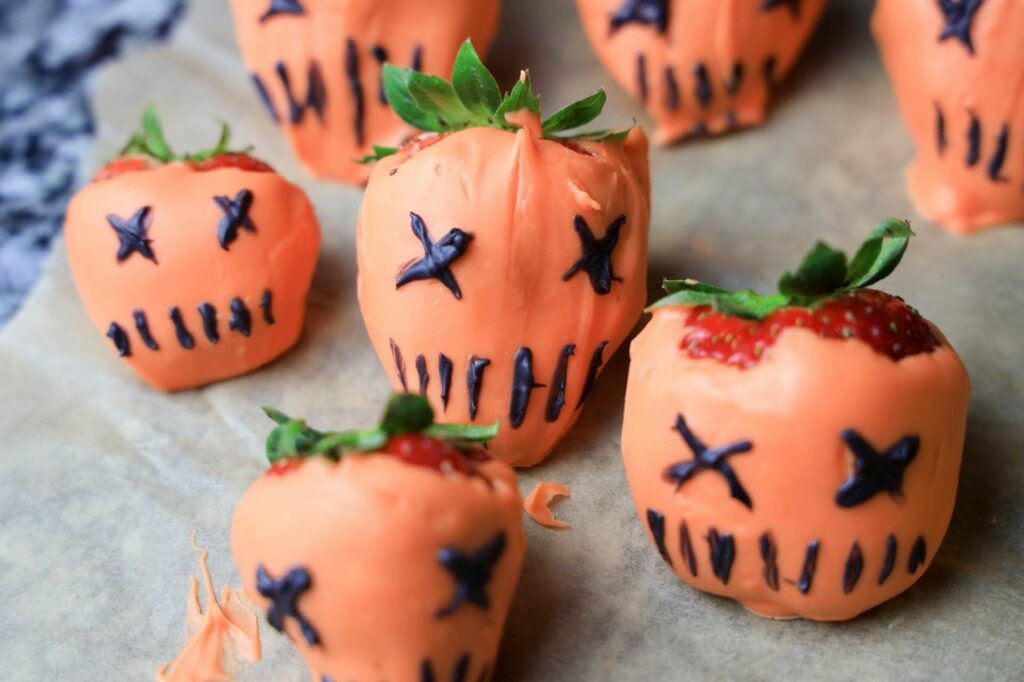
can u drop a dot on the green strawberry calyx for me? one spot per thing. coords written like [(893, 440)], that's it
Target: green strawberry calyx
[(149, 141)]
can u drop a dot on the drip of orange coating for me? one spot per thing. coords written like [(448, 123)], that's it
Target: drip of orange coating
[(229, 627), (536, 503)]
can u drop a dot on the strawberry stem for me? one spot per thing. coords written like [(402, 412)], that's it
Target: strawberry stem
[(151, 142)]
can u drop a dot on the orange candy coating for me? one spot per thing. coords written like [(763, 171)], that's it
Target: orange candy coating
[(192, 268), (961, 107), (368, 530), (792, 408), (343, 39), (713, 67), (518, 196)]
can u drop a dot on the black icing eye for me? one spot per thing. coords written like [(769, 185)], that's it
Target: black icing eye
[(236, 216), (645, 12), (959, 17), (131, 234), (597, 255), (437, 257), (279, 7), (284, 594), (471, 572), (793, 5), (708, 459), (873, 471)]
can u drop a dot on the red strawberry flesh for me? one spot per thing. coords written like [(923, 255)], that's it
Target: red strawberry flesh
[(420, 450), (135, 164)]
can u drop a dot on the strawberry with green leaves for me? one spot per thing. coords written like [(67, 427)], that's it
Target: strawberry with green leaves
[(502, 256)]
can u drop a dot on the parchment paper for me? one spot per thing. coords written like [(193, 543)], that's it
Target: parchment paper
[(103, 479)]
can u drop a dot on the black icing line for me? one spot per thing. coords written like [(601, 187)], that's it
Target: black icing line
[(131, 235), (959, 19), (381, 55), (853, 568), (241, 318), (209, 315), (918, 555), (768, 69), (265, 98), (995, 165), (472, 572), (686, 549), (708, 459), (267, 306), (474, 382), (940, 130), (437, 257), (355, 86), (121, 341), (596, 259), (810, 566), (236, 217), (316, 93), (656, 522), (703, 88), (723, 553), (875, 471), (641, 77), (672, 100), (185, 338), (653, 13), (279, 7), (732, 86), (284, 594), (417, 58), (769, 556), (556, 394), (461, 669), (973, 141), (142, 327), (522, 386), (793, 5), (396, 356), (424, 374), (596, 361), (890, 559), (444, 369)]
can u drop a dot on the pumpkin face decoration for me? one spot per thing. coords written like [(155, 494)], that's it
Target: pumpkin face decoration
[(699, 66), (500, 268), (957, 67), (195, 268), (316, 66), (389, 559), (789, 462)]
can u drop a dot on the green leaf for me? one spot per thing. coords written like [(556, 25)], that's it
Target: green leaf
[(673, 285), (475, 86), (436, 97), (396, 90), (821, 273), (333, 444), (749, 304), (521, 97), (153, 135), (286, 440), (378, 154), (879, 255), (462, 432), (684, 297), (220, 148), (277, 415), (608, 135), (407, 413), (577, 114)]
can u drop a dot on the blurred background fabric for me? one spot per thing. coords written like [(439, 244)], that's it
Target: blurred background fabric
[(48, 49)]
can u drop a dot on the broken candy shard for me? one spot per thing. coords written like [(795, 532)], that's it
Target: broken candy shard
[(536, 503)]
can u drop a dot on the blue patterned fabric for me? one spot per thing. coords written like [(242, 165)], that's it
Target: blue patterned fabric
[(47, 50)]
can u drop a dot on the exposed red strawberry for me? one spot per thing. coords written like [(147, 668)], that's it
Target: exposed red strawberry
[(237, 160), (884, 322), (122, 165), (415, 448)]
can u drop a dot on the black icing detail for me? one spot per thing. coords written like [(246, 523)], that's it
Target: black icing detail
[(641, 76), (793, 5), (644, 12), (973, 141), (769, 555), (890, 559), (437, 257), (874, 471), (522, 385), (596, 361), (316, 93), (283, 594), (241, 318), (209, 315), (236, 216), (708, 459), (459, 672), (852, 570), (959, 17), (597, 255), (918, 554), (768, 69), (396, 355), (471, 572), (556, 394), (279, 7), (185, 338), (121, 341), (444, 368), (732, 86), (426, 671), (474, 382), (703, 90), (381, 55), (723, 553), (672, 100), (656, 522), (940, 129), (267, 306), (268, 103), (698, 130), (686, 549), (142, 326), (461, 669), (131, 235), (417, 58), (355, 86), (421, 370), (995, 166), (810, 565)]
